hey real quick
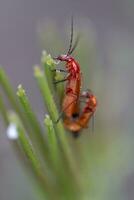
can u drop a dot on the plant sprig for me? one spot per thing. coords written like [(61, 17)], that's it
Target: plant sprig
[(47, 150)]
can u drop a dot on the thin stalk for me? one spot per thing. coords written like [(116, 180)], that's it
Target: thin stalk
[(24, 149), (36, 134), (49, 66), (4, 82), (60, 132), (59, 87), (38, 140), (62, 178), (52, 74), (32, 126), (3, 111), (11, 96), (52, 140)]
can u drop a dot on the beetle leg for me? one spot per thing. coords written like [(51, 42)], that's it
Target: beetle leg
[(63, 80), (62, 112), (60, 70)]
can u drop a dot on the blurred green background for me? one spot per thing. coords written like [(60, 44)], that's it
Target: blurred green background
[(106, 56)]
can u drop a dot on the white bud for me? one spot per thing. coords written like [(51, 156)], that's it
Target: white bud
[(12, 132)]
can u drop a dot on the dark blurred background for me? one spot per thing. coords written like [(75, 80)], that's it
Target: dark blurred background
[(111, 26)]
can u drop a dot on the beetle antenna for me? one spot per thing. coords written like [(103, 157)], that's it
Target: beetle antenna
[(75, 45), (71, 38)]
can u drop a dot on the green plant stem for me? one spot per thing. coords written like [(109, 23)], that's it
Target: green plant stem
[(60, 133), (60, 166), (36, 134), (11, 96), (38, 141), (52, 74), (59, 87), (49, 66), (3, 111), (24, 148), (52, 140), (26, 115), (4, 82)]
